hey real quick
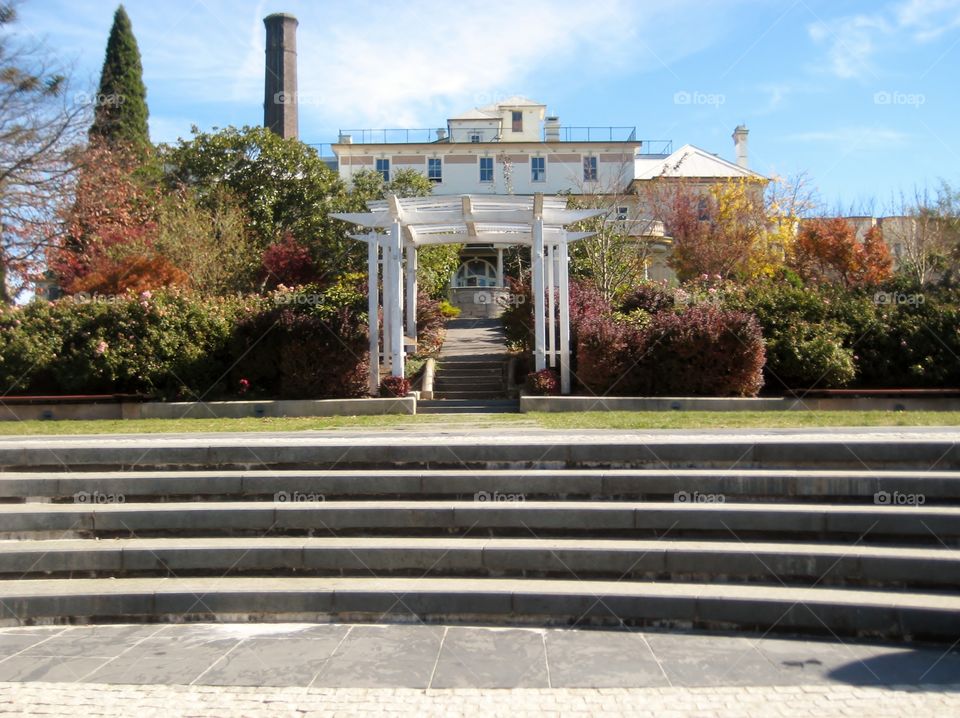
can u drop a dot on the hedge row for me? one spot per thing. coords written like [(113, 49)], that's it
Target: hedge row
[(304, 343)]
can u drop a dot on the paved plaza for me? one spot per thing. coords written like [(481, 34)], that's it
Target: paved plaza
[(337, 669)]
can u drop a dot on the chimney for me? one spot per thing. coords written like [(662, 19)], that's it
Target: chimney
[(740, 145), (441, 134), (551, 129), (280, 86)]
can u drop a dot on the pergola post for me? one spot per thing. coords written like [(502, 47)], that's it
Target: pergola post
[(564, 282), (396, 300), (551, 307), (373, 309), (536, 271), (411, 292)]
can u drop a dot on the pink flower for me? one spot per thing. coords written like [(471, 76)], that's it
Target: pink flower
[(244, 386), (101, 347), (704, 277), (717, 277), (712, 290), (146, 294)]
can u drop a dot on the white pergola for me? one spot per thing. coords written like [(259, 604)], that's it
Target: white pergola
[(397, 226)]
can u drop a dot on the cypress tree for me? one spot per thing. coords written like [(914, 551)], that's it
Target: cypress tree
[(120, 115)]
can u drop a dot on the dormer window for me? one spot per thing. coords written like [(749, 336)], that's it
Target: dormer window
[(517, 121), (475, 137)]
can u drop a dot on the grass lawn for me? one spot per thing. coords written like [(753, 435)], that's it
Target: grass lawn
[(570, 420)]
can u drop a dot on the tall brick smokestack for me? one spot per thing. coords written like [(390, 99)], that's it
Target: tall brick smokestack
[(280, 85)]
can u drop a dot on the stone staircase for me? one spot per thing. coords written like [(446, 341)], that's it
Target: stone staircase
[(832, 536), (471, 369)]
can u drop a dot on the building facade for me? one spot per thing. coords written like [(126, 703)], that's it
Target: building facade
[(514, 147)]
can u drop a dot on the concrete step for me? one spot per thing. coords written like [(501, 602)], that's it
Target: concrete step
[(885, 613), (481, 394), (479, 451), (677, 560), (471, 385), (769, 485), (488, 513)]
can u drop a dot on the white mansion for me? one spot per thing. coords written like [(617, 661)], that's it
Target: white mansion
[(514, 147)]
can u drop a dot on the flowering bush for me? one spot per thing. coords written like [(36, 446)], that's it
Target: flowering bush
[(545, 382)]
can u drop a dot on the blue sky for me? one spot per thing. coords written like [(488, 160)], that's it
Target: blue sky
[(861, 95)]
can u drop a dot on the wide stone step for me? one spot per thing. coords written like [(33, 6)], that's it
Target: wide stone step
[(543, 450), (872, 612), (487, 513), (694, 485), (666, 559)]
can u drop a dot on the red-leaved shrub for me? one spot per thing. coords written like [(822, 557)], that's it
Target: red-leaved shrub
[(704, 351), (394, 386), (545, 382)]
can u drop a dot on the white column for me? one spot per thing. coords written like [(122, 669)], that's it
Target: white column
[(536, 272), (551, 307), (373, 305), (564, 299), (500, 278), (396, 302), (412, 292)]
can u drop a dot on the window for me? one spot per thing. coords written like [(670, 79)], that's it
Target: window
[(622, 214), (538, 169), (476, 272), (486, 169), (898, 250), (703, 209), (517, 121), (383, 167), (474, 136), (589, 169), (434, 169)]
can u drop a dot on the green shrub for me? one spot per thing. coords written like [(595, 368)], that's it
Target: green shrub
[(806, 344), (163, 344)]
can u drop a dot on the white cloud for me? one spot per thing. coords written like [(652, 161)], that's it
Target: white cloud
[(853, 41), (369, 63), (853, 137)]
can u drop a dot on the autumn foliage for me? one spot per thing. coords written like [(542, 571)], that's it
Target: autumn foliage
[(828, 250)]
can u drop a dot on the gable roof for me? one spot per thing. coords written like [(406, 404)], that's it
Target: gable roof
[(689, 161)]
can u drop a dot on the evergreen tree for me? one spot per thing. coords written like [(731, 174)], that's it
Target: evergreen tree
[(120, 115)]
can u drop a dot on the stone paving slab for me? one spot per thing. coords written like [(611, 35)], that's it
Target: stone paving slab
[(96, 700), (369, 656)]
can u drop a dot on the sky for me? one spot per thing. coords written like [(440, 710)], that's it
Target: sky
[(860, 95)]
